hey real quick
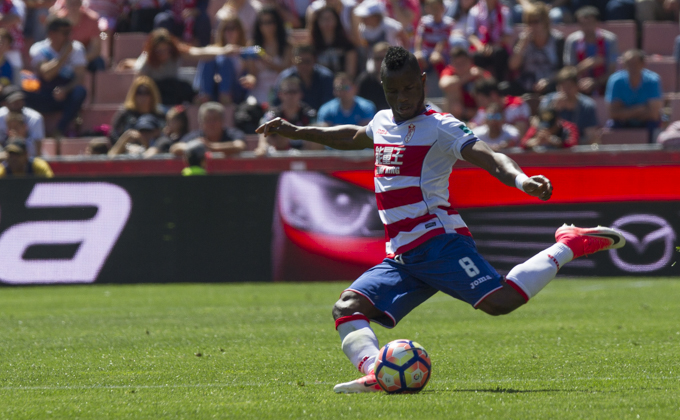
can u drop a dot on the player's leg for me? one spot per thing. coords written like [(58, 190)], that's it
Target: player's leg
[(384, 294), (530, 277)]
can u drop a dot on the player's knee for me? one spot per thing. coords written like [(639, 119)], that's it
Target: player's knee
[(497, 309), (350, 303)]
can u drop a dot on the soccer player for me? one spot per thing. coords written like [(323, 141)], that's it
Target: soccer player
[(429, 247)]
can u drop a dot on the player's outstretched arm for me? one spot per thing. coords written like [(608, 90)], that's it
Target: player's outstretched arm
[(342, 137), (506, 170)]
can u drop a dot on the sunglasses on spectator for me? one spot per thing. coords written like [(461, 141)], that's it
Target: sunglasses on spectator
[(307, 61), (496, 116), (290, 91), (143, 92), (230, 28), (267, 22), (342, 88)]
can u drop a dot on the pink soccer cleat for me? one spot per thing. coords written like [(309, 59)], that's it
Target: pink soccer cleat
[(585, 241), (367, 383)]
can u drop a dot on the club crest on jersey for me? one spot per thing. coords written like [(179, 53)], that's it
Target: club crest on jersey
[(410, 133)]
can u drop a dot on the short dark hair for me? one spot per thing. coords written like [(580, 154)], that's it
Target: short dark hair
[(397, 58), (486, 86), (587, 11), (55, 23)]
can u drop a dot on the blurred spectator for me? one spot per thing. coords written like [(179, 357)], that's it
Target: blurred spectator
[(347, 107), (317, 80), (160, 60), (276, 54), (406, 12), (490, 33), (572, 106), (293, 110), (515, 110), (220, 78), (139, 139), (558, 10), (34, 24), (7, 76), (142, 98), (670, 137), (84, 29), (634, 95), (14, 102), (139, 15), (194, 159), (187, 20), (176, 127), (457, 81), (19, 164), (656, 10), (213, 133), (459, 10), (98, 146), (537, 55), (495, 132), (432, 37), (368, 82), (332, 46), (376, 27), (108, 11), (245, 10), (12, 15), (60, 65), (592, 50), (293, 11), (548, 131), (344, 9)]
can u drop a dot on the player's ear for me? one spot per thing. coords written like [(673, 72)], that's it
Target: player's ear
[(423, 78)]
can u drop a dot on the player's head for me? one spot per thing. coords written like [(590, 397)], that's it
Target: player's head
[(403, 83)]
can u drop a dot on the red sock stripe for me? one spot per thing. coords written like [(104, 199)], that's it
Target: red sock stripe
[(355, 317), (518, 289)]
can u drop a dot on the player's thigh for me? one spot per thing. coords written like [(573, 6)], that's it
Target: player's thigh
[(392, 290), (455, 267)]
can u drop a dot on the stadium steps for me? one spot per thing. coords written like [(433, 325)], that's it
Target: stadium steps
[(659, 37), (624, 136)]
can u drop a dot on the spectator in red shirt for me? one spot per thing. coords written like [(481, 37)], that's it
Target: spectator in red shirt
[(548, 131), (85, 30), (457, 81)]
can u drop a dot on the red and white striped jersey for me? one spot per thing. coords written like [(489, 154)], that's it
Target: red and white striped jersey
[(413, 162)]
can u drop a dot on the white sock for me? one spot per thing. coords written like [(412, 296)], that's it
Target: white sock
[(534, 274), (358, 341)]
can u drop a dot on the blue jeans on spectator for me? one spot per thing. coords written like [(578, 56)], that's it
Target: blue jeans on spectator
[(205, 83), (96, 65), (43, 102), (652, 127)]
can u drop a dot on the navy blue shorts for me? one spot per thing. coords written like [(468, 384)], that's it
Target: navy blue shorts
[(449, 263)]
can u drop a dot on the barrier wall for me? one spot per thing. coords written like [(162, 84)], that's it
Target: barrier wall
[(308, 225)]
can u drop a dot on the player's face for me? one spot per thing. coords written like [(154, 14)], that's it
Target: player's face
[(404, 92)]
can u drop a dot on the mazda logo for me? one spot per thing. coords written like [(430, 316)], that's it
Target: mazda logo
[(662, 231)]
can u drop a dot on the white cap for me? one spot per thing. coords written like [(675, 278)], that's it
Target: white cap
[(370, 7)]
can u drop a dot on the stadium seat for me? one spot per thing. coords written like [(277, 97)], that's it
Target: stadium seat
[(624, 136), (674, 105), (659, 37), (625, 31), (69, 146), (667, 69), (111, 87), (96, 115), (127, 45)]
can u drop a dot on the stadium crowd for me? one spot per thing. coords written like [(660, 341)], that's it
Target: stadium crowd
[(184, 78)]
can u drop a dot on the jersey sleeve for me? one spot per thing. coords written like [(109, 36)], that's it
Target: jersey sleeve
[(369, 128), (455, 136)]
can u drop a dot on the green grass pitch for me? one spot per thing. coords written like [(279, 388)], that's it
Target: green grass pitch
[(582, 349)]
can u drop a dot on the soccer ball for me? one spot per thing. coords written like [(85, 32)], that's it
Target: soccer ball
[(402, 366)]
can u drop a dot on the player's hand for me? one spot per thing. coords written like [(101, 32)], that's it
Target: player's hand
[(538, 186), (278, 126)]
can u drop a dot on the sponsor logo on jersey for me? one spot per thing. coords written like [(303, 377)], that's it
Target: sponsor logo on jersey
[(479, 281), (410, 133), (388, 159), (381, 131)]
